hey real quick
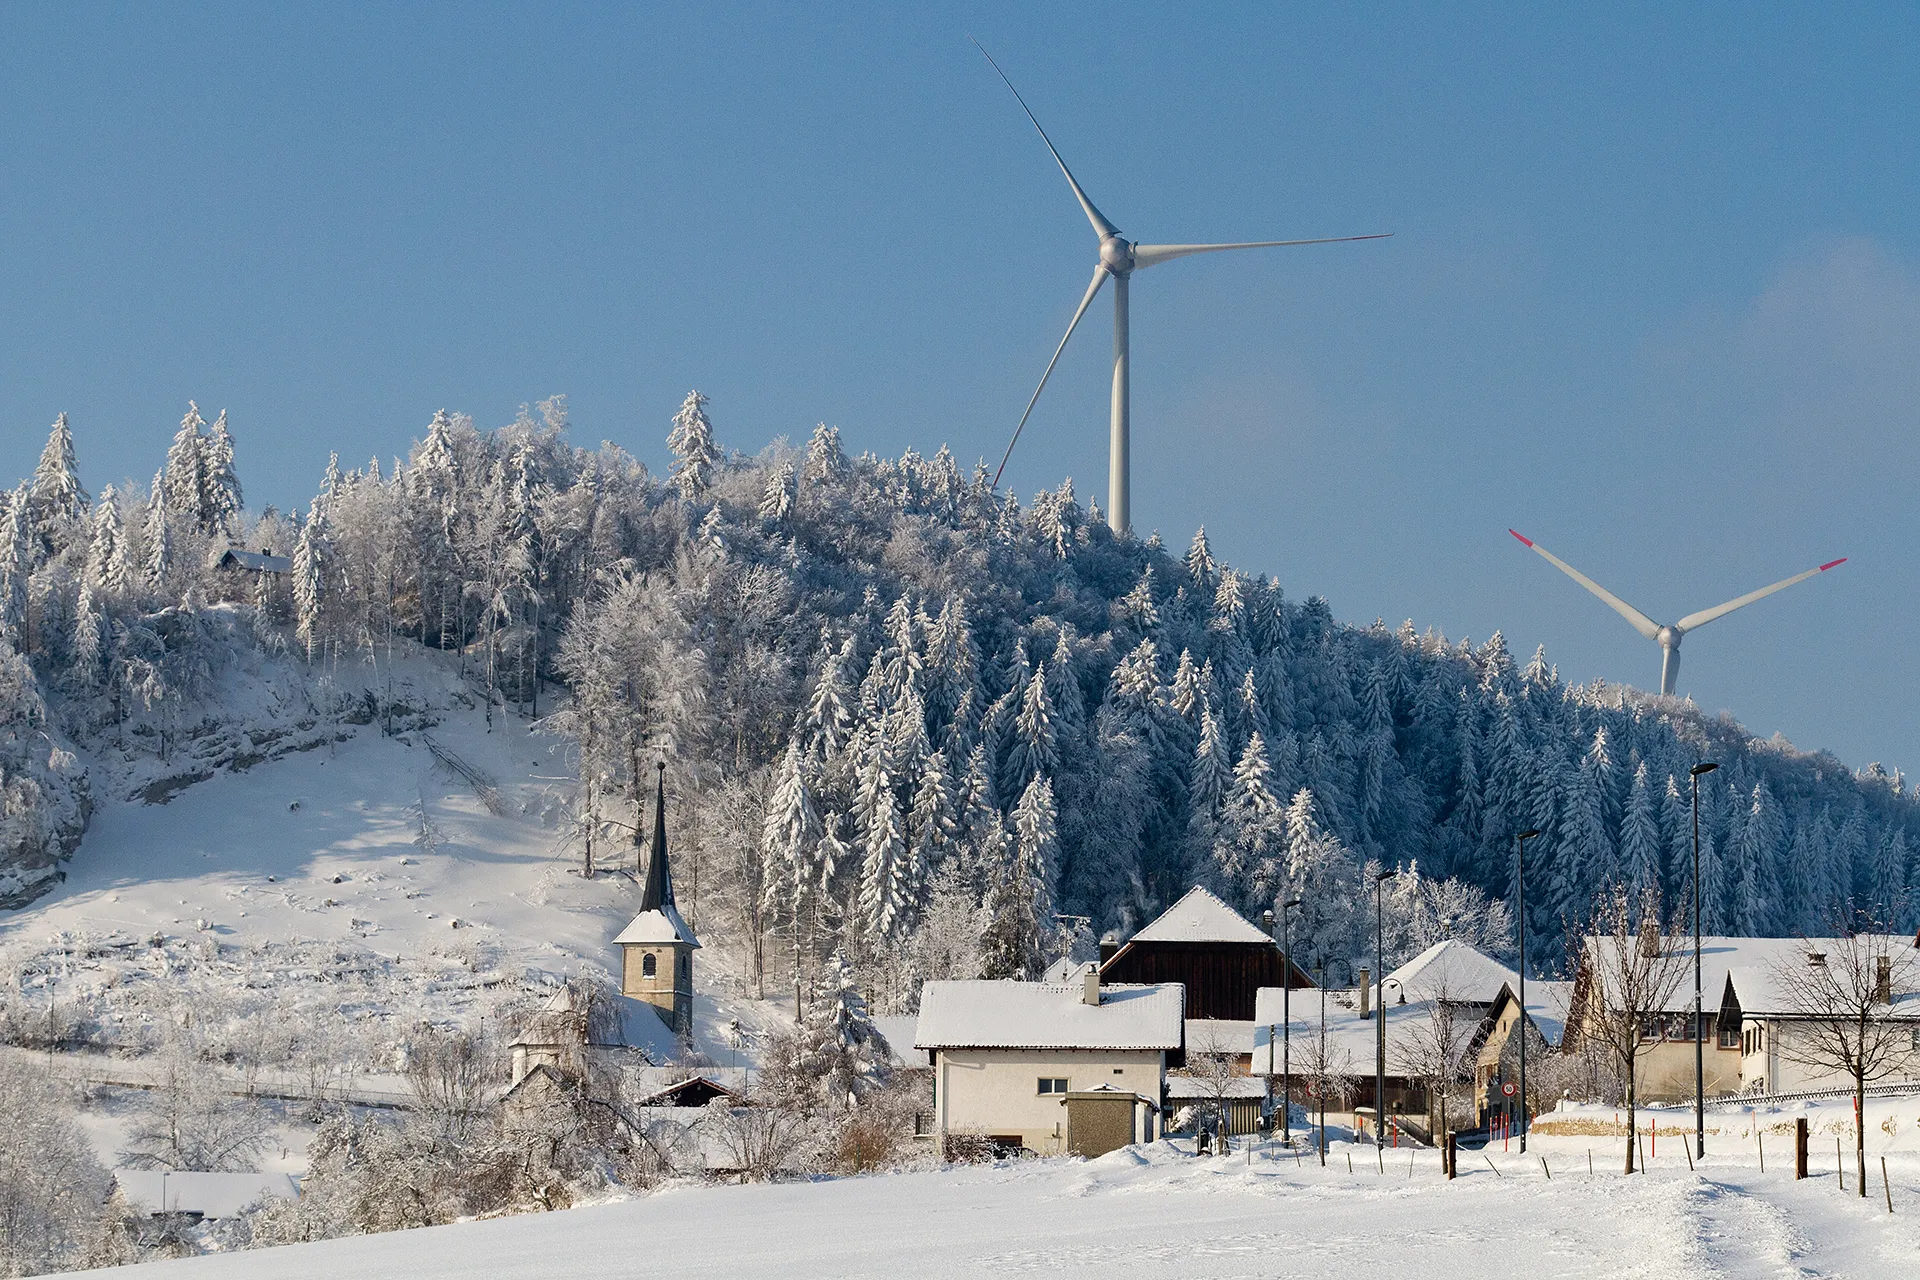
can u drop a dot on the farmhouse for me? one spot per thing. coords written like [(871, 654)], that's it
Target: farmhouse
[(1665, 1071), (1011, 1059), (1758, 999)]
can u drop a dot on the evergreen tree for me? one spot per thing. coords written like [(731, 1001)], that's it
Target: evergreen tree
[(1640, 855), (183, 481), (88, 649), (1033, 752), (58, 501), (222, 481), (776, 503), (16, 564), (157, 532), (106, 570), (310, 552), (694, 452)]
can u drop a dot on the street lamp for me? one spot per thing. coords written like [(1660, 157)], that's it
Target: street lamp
[(1286, 1021), (1520, 888), (1320, 1084), (1380, 1048), (1699, 1026)]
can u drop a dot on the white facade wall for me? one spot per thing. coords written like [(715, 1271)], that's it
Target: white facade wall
[(995, 1092), (1769, 1068)]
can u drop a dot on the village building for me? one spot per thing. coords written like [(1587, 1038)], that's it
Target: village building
[(1450, 994), (1012, 1062), (1665, 1070), (1220, 956), (656, 947), (1758, 1001)]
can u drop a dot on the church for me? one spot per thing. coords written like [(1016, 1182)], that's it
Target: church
[(656, 947)]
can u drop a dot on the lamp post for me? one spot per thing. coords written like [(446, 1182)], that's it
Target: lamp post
[(1520, 889), (1380, 1045), (1320, 1053), (1699, 1026), (1286, 1021)]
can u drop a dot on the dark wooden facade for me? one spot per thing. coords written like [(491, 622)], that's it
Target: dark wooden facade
[(1221, 977)]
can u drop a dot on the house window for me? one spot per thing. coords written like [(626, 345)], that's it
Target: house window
[(1915, 1033), (1649, 1026), (648, 965), (1729, 1033), (1053, 1084)]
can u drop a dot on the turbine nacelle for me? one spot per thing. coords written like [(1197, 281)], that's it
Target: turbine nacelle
[(1669, 636), (1116, 255)]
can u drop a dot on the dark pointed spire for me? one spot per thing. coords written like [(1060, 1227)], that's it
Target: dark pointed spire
[(658, 890)]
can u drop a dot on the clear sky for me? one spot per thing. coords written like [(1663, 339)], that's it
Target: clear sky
[(1653, 296)]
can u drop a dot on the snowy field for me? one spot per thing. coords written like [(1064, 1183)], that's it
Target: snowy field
[(1158, 1212), (359, 882)]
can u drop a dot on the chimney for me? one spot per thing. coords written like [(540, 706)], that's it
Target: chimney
[(1090, 986), (1365, 992), (1883, 979), (1110, 943)]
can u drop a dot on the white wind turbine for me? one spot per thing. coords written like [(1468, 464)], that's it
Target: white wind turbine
[(1668, 634), (1119, 259)]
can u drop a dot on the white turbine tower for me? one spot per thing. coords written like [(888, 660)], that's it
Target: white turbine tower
[(1668, 634), (1119, 259)]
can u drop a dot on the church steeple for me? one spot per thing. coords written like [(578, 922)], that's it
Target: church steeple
[(657, 887), (656, 947)]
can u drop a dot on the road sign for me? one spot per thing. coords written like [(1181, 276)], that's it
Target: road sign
[(1508, 1089)]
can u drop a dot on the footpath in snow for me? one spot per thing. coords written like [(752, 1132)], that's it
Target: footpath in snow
[(1159, 1212)]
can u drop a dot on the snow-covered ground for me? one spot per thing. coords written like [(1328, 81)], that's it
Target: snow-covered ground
[(1154, 1212), (355, 883)]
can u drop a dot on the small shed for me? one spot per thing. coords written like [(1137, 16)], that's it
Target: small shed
[(1103, 1119)]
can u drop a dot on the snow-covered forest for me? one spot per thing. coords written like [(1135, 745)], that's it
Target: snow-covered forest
[(911, 721)]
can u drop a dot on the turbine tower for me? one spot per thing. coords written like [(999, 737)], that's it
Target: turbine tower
[(1668, 634), (1119, 259)]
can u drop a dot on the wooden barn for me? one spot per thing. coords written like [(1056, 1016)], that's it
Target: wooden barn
[(1222, 957)]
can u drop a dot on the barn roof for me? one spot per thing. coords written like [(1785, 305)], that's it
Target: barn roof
[(1201, 917), (1049, 1015)]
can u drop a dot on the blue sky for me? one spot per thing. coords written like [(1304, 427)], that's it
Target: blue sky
[(1653, 296)]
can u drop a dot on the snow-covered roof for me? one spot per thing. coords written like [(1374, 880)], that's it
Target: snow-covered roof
[(1065, 969), (255, 560), (1049, 1015), (899, 1030), (1752, 962), (1761, 993), (1453, 970), (211, 1195), (1221, 1035), (1201, 917), (1183, 1088), (662, 924)]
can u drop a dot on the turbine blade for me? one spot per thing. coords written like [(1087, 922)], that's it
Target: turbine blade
[(1705, 616), (1099, 278), (1146, 255), (1101, 227), (1641, 622)]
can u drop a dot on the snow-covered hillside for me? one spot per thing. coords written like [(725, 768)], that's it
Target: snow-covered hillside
[(1156, 1211), (356, 879)]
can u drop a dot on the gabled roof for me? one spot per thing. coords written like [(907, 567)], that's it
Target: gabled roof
[(259, 561), (701, 1087), (662, 924), (1454, 971), (1049, 1015), (1201, 917), (1721, 958)]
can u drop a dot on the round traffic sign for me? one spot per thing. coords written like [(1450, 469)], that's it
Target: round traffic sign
[(1508, 1089)]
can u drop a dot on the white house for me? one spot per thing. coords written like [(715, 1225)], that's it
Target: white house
[(1006, 1055), (1757, 1000)]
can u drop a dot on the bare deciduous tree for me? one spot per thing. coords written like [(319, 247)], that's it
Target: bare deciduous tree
[(1436, 1048), (1839, 995), (1629, 970), (1213, 1066)]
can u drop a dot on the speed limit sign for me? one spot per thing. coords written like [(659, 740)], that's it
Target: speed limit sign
[(1508, 1089)]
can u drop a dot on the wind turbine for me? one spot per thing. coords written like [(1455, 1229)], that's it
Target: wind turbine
[(1668, 634), (1119, 259)]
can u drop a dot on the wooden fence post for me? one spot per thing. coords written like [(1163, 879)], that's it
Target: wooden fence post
[(1800, 1148)]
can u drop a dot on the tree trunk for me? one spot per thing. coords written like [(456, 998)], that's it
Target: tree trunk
[(1633, 1130), (1860, 1129)]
